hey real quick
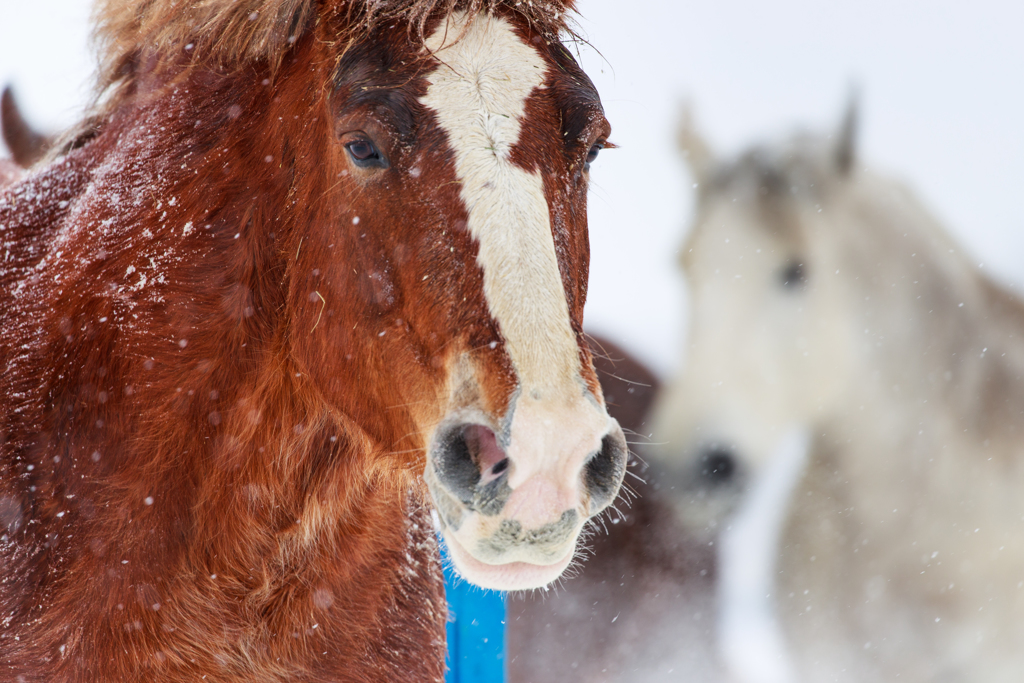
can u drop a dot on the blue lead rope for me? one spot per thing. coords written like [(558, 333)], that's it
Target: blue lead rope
[(476, 632)]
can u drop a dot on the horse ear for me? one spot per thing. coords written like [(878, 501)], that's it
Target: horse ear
[(692, 146), (844, 153), (26, 146)]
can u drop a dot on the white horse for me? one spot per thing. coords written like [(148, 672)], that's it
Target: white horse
[(827, 297)]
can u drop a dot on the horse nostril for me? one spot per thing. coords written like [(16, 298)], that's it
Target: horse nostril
[(454, 465), (604, 471), (717, 465), (467, 459)]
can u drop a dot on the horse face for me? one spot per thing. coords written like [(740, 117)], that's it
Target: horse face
[(462, 173), (770, 344)]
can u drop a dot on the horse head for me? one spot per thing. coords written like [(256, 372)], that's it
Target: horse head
[(384, 204), (465, 175), (770, 343)]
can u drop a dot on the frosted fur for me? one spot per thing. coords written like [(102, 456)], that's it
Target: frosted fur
[(228, 343), (479, 93), (232, 32)]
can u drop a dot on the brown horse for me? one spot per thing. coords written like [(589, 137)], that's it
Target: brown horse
[(643, 606), (307, 267)]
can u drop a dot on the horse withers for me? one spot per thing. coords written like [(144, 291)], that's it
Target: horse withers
[(826, 298), (305, 271)]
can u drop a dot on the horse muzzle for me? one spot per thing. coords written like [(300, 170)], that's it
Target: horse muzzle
[(512, 502)]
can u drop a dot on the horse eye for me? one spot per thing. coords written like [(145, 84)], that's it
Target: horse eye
[(793, 275), (364, 153), (595, 149)]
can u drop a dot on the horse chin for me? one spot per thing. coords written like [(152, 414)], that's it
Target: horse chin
[(510, 576)]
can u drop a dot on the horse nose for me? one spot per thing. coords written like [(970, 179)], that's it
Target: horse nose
[(717, 464), (472, 465)]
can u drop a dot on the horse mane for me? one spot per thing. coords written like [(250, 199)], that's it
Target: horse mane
[(229, 34)]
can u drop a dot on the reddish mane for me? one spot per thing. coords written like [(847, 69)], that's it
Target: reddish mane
[(225, 352)]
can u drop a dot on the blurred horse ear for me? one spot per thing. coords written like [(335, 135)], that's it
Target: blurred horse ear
[(692, 146), (845, 150), (26, 146)]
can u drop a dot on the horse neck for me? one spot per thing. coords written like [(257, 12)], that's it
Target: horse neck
[(938, 339), (927, 437)]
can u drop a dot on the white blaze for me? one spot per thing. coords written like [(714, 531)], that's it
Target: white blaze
[(479, 95)]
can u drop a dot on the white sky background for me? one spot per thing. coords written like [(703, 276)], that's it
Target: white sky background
[(942, 94)]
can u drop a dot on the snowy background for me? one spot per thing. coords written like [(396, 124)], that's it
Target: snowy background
[(942, 93)]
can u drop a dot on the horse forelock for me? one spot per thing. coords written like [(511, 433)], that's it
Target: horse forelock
[(229, 34), (773, 180), (798, 166)]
